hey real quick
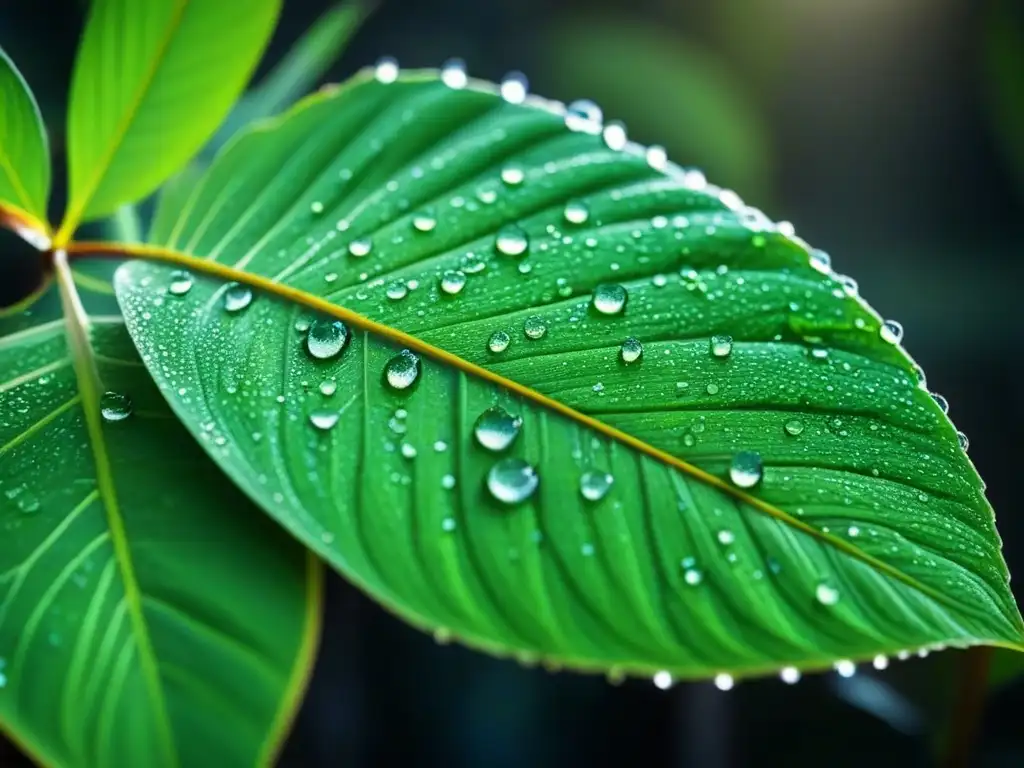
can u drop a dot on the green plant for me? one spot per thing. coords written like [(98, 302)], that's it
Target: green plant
[(529, 385)]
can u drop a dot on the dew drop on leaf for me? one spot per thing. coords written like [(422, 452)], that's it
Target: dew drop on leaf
[(448, 524), (576, 212), (512, 481), (328, 387), (498, 342), (512, 175), (662, 680), (721, 345), (534, 327), (594, 486), (963, 440), (880, 661), (942, 402), (724, 682), (326, 338), (631, 350), (846, 668), (237, 297), (360, 248), (726, 537), (323, 418), (402, 370), (746, 469), (891, 332), (386, 70), (794, 427), (453, 281), (511, 240), (448, 482), (424, 223), (181, 283), (514, 87), (453, 73), (583, 115), (789, 675), (397, 290), (115, 406), (692, 576), (826, 594), (614, 136), (609, 298), (496, 428)]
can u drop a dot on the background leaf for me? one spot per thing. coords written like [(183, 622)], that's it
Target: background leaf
[(867, 534), (152, 82), (24, 155), (173, 626)]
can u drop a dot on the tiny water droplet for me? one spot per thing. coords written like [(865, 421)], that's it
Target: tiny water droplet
[(511, 240), (237, 297), (424, 223), (514, 87), (534, 327), (657, 157), (115, 406), (453, 73), (181, 283), (576, 212), (326, 338), (316, 207), (402, 370), (826, 594), (846, 668), (692, 576), (498, 342), (631, 350), (397, 290), (880, 661), (512, 480), (328, 387), (453, 281), (496, 429), (789, 675), (746, 469), (794, 427), (726, 537), (324, 418), (609, 298), (711, 388), (594, 486), (448, 524), (724, 682), (386, 70), (512, 175), (614, 135), (721, 345), (662, 680), (360, 247), (891, 331), (408, 450)]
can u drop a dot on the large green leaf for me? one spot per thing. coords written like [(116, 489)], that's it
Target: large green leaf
[(149, 614), (867, 534), (24, 153), (153, 80)]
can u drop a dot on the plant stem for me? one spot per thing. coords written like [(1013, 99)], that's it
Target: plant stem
[(968, 707)]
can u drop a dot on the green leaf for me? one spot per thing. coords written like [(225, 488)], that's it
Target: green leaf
[(868, 532), (149, 615), (152, 82), (24, 153)]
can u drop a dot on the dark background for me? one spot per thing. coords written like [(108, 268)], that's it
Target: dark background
[(891, 132)]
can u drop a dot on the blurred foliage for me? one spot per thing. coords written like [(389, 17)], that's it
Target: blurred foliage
[(1003, 78), (671, 90)]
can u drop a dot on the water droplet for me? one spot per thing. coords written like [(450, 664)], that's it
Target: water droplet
[(534, 327), (721, 345), (609, 298), (498, 342), (181, 283), (514, 87), (237, 297), (496, 428), (631, 350), (943, 402), (386, 70), (594, 486), (846, 668), (711, 388), (963, 440), (448, 482), (328, 387), (360, 247), (324, 418), (794, 427), (692, 576), (576, 212), (789, 675), (115, 406), (826, 594), (583, 115), (448, 524), (453, 73), (657, 157), (662, 680), (853, 531), (746, 469), (726, 537), (511, 240), (326, 338), (424, 223), (724, 682), (408, 450), (397, 290), (512, 481), (512, 175), (891, 331), (453, 281), (880, 661), (316, 207), (614, 136), (28, 504), (402, 370)]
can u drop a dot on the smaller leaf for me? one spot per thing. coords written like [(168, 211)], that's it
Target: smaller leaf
[(24, 153)]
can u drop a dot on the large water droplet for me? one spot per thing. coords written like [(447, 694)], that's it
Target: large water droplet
[(746, 469), (594, 486), (583, 115), (328, 387), (326, 338), (498, 342), (942, 402), (511, 240), (794, 427), (324, 418), (115, 406), (963, 440), (386, 70), (496, 428), (237, 297), (453, 281), (724, 682), (360, 247), (631, 350), (662, 680), (609, 298), (181, 283), (512, 480), (891, 331), (402, 370), (397, 290), (826, 594), (721, 345), (576, 212), (534, 327)]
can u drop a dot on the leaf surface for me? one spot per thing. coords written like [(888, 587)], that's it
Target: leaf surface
[(152, 82), (430, 218), (149, 614), (24, 152)]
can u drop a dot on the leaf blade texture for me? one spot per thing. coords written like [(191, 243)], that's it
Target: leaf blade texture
[(24, 151)]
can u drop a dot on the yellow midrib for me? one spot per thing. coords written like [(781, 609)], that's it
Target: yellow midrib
[(228, 274)]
